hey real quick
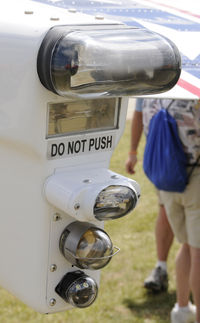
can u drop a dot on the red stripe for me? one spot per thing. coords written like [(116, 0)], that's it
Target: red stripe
[(189, 87), (178, 9)]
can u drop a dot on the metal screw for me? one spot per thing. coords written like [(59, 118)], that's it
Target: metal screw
[(56, 217), (28, 12), (72, 10), (54, 18), (53, 268), (87, 180), (114, 176), (99, 17), (52, 302), (76, 206)]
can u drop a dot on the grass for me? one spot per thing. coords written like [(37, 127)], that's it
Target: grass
[(122, 298)]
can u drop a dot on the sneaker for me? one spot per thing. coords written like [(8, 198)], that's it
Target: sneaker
[(157, 281), (185, 315)]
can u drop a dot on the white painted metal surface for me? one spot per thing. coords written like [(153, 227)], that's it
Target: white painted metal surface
[(30, 226), (29, 234)]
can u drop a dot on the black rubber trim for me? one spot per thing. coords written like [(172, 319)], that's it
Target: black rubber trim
[(45, 55), (53, 36), (62, 288)]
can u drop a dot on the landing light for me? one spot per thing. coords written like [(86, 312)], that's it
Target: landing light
[(114, 202), (86, 246), (100, 195)]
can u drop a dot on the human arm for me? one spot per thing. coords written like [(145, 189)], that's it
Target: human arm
[(136, 132)]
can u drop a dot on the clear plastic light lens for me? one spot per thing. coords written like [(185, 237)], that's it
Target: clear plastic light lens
[(114, 202), (82, 292), (96, 248), (77, 289), (86, 246), (115, 61)]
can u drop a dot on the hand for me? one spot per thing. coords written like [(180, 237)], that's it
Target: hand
[(130, 164)]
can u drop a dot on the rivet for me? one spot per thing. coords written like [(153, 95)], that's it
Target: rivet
[(56, 217), (54, 18), (53, 268), (98, 17), (72, 10), (52, 302), (87, 180), (76, 206), (114, 177), (28, 12)]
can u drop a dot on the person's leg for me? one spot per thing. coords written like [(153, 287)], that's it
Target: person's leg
[(192, 211), (183, 311), (195, 278), (164, 235), (182, 275), (158, 279)]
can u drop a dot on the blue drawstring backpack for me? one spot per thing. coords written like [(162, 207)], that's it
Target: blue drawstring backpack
[(164, 158)]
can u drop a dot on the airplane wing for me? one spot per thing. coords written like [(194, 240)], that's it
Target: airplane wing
[(178, 21)]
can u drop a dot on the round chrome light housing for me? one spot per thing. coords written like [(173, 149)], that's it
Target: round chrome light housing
[(114, 202), (77, 289), (86, 246)]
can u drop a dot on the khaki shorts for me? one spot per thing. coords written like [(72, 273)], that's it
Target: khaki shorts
[(183, 211), (160, 201)]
